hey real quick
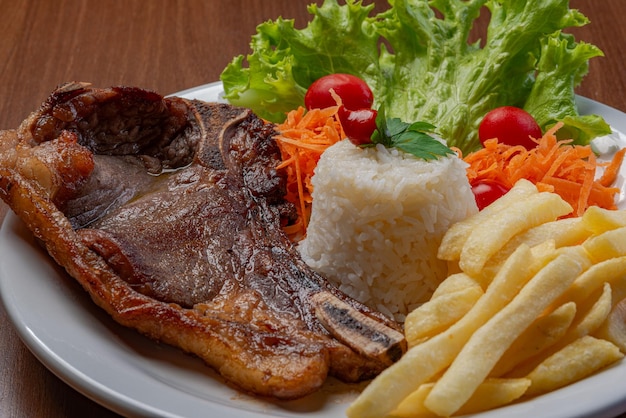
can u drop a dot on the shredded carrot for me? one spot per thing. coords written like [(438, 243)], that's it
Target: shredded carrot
[(612, 170), (302, 139), (554, 165)]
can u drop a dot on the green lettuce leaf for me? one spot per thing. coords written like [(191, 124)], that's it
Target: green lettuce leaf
[(563, 64), (285, 61), (419, 63)]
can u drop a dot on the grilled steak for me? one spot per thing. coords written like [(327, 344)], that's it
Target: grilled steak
[(169, 212)]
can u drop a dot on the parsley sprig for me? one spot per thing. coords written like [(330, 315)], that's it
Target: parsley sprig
[(414, 138)]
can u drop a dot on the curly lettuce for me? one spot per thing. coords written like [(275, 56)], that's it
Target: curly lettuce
[(417, 59)]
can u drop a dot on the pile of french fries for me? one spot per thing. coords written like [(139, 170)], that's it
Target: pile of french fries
[(535, 302)]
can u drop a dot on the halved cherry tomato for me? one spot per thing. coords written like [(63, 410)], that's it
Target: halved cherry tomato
[(359, 125), (511, 125), (354, 92), (487, 191)]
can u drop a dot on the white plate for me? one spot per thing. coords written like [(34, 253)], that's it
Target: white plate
[(133, 376)]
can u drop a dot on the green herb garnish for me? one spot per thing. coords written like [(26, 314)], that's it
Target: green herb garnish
[(413, 138)]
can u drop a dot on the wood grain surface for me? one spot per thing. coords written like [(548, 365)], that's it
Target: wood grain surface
[(168, 46)]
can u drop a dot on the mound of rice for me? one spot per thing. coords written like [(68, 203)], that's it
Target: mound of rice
[(378, 217)]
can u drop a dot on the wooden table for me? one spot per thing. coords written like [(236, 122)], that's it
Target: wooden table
[(168, 46)]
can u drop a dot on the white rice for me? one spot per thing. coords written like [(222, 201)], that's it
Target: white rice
[(378, 217)]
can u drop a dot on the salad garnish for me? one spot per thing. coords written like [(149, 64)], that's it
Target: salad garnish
[(413, 138), (418, 59)]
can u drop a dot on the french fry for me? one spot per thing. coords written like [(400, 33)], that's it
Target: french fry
[(492, 393), (439, 313), (520, 216), (493, 265), (453, 283), (562, 233), (574, 362), (454, 239), (618, 286), (599, 220), (425, 360), (543, 333), (612, 271), (413, 405), (614, 328), (472, 365), (609, 244), (592, 318)]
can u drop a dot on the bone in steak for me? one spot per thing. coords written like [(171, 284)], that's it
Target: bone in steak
[(168, 212)]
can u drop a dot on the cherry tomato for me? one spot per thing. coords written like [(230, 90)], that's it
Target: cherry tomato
[(511, 125), (487, 191), (354, 92), (359, 125)]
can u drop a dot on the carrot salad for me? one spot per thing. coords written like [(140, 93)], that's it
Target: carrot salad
[(302, 139), (554, 166)]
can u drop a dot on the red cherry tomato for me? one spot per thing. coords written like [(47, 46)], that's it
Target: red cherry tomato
[(487, 191), (359, 125), (354, 92), (511, 125)]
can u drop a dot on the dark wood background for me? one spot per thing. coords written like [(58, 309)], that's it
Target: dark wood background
[(168, 46)]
